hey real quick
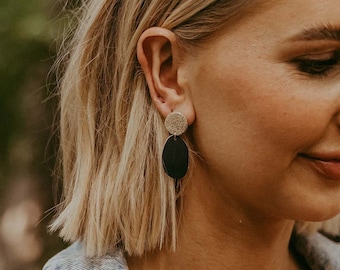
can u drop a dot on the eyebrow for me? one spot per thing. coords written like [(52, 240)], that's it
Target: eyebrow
[(327, 32)]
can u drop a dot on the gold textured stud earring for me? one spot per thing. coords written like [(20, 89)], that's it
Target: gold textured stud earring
[(175, 155)]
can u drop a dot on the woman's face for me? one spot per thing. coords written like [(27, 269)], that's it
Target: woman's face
[(266, 93)]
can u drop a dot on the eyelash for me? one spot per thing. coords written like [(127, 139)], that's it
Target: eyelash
[(317, 67)]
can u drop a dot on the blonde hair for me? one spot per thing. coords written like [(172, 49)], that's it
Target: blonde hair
[(115, 192)]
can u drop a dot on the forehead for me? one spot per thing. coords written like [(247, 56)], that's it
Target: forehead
[(274, 21), (292, 16)]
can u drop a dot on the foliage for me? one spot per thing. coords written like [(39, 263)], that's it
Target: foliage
[(25, 38), (28, 30)]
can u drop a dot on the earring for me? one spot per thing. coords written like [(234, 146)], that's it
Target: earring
[(175, 153)]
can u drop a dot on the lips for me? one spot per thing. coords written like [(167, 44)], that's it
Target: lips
[(326, 164)]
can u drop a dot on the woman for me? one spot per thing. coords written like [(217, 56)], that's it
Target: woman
[(258, 84)]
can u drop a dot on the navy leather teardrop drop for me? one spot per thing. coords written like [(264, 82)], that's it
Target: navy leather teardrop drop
[(175, 157)]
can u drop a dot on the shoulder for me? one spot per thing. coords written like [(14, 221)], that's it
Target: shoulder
[(318, 251), (73, 258)]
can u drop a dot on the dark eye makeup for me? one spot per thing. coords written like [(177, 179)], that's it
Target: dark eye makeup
[(317, 67)]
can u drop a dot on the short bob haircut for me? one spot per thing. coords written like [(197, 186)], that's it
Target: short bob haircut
[(115, 192)]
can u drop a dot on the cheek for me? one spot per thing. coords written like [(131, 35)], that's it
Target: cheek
[(252, 118)]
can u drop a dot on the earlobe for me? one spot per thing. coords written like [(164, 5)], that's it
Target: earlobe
[(159, 54)]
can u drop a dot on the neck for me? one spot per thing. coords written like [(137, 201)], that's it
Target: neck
[(218, 235), (224, 237)]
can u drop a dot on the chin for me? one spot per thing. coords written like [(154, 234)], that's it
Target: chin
[(330, 226), (314, 199), (318, 213)]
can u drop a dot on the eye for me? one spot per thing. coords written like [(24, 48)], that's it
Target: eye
[(316, 66)]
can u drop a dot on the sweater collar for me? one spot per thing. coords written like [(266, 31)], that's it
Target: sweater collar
[(318, 251)]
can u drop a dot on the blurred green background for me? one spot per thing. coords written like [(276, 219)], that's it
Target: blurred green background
[(29, 32)]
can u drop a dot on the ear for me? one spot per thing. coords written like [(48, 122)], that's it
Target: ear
[(159, 55)]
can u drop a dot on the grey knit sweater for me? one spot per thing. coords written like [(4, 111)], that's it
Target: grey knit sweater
[(319, 252)]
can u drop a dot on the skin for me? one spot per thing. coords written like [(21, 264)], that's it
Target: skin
[(254, 113)]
